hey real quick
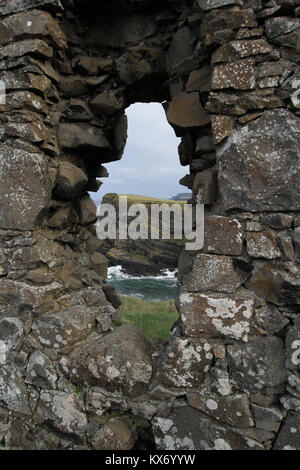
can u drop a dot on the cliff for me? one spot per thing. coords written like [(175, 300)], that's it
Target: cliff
[(141, 257)]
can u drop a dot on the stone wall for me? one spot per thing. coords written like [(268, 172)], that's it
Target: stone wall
[(228, 74)]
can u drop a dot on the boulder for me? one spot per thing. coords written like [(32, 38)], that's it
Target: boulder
[(180, 58), (64, 411), (100, 264), (25, 188), (223, 236), (185, 112), (233, 410), (212, 4), (185, 362), (35, 47), (222, 126), (33, 23), (213, 273), (258, 366), (107, 103), (120, 360), (70, 182), (216, 315), (116, 434), (82, 137), (277, 282), (260, 164), (186, 428), (239, 75), (288, 436), (40, 372), (262, 245)]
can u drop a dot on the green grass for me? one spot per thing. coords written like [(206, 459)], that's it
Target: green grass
[(153, 318), (135, 198)]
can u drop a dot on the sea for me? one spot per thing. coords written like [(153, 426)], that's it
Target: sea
[(149, 288)]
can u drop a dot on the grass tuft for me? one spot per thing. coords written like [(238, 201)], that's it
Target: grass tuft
[(154, 318)]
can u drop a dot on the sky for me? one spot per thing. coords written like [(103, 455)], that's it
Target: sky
[(150, 163)]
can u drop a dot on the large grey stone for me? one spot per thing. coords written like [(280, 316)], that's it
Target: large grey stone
[(276, 282), (25, 188), (260, 164), (213, 273), (120, 360), (258, 366), (216, 315), (185, 428)]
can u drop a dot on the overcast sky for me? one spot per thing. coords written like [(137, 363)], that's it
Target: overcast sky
[(150, 164)]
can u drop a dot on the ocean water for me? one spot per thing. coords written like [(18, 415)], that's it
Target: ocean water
[(163, 287)]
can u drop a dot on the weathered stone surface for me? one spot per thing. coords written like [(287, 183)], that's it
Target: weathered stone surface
[(281, 25), (233, 410), (82, 137), (24, 188), (36, 47), (229, 103), (34, 23), (260, 164), (185, 112), (218, 23), (116, 434), (15, 6), (34, 131), (65, 412), (11, 332), (66, 327), (13, 393), (121, 360), (223, 236), (87, 210), (213, 273), (262, 245), (63, 217), (211, 4), (199, 80), (185, 362), (40, 371), (257, 366), (268, 419), (269, 320), (29, 81), (94, 65), (277, 282), (288, 437), (222, 126), (185, 428), (215, 315), (107, 103), (70, 181), (236, 50), (205, 186), (180, 55), (100, 264), (239, 75)]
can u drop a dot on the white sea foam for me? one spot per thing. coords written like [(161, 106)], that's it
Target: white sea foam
[(118, 273)]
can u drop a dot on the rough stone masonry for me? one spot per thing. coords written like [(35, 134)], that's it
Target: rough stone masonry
[(228, 75)]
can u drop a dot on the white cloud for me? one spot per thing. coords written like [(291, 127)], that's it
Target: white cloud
[(150, 164)]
